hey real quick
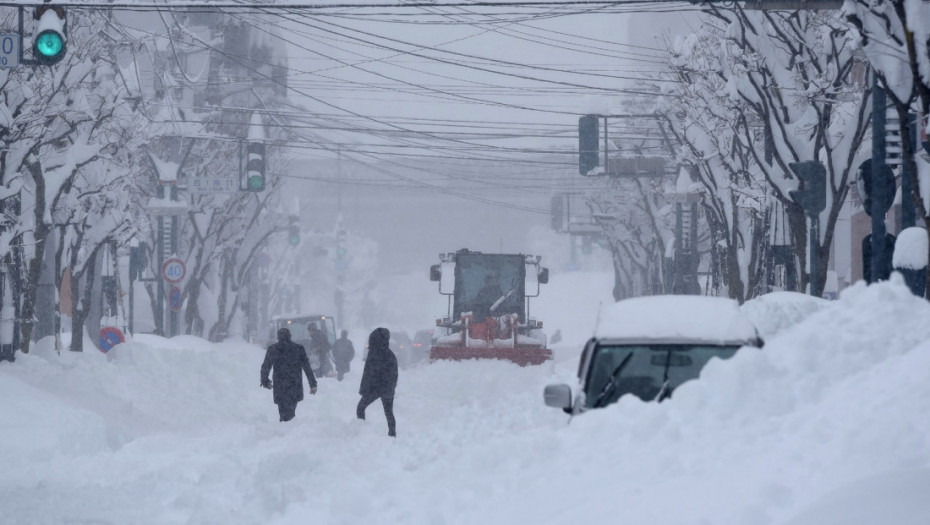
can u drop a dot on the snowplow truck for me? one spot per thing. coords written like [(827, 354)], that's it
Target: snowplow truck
[(488, 316)]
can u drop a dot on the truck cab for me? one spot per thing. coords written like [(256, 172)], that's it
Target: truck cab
[(489, 308)]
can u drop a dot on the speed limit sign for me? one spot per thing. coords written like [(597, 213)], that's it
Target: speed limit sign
[(9, 50), (173, 270)]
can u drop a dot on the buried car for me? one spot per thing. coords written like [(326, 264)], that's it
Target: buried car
[(648, 346)]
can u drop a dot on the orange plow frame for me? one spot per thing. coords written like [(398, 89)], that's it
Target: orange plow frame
[(489, 333)]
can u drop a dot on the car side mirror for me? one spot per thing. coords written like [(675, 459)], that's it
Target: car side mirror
[(543, 276), (558, 396), (435, 274)]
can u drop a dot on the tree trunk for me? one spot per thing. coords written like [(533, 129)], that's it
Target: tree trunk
[(27, 314), (80, 301), (30, 289), (220, 328), (797, 221)]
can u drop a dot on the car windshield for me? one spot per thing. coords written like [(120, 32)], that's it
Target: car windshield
[(484, 281), (646, 371)]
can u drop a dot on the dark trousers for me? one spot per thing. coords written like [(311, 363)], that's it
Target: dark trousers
[(387, 402), (287, 410)]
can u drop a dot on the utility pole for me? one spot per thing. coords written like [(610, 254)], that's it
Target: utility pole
[(908, 207), (339, 182), (173, 316), (877, 265)]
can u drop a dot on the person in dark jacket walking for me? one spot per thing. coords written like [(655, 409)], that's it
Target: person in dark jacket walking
[(379, 379), (343, 353), (288, 359), (320, 361)]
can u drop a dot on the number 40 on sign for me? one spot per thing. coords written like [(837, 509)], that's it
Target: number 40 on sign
[(173, 270)]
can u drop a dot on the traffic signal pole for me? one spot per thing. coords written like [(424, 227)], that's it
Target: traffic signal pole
[(877, 192), (814, 255)]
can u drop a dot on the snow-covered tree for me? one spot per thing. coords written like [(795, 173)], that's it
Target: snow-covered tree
[(637, 223), (61, 127), (706, 124), (220, 80), (896, 37), (783, 81)]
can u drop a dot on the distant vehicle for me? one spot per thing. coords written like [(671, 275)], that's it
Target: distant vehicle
[(488, 314), (649, 346), (420, 346), (299, 326), (401, 345)]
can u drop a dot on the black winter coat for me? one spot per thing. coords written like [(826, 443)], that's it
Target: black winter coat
[(380, 375), (287, 358)]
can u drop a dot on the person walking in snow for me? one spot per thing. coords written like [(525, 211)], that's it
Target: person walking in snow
[(343, 353), (379, 378), (320, 361), (289, 360)]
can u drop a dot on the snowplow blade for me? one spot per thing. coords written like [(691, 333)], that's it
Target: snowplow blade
[(522, 356)]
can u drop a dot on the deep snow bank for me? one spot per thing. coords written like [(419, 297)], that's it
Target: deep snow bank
[(776, 311), (838, 398)]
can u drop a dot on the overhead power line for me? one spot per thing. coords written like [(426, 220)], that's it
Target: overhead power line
[(284, 4)]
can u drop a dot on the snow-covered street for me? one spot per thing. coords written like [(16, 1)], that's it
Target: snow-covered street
[(828, 424)]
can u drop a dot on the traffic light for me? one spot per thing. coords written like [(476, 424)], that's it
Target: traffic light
[(588, 149), (885, 190), (341, 259), (586, 245), (137, 262), (557, 213), (812, 192), (293, 231), (49, 43), (255, 167)]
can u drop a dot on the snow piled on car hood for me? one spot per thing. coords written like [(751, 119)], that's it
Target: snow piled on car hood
[(164, 431)]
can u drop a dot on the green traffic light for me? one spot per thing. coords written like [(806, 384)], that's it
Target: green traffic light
[(50, 44), (256, 182)]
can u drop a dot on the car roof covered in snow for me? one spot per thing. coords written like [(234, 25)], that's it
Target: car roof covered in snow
[(674, 318)]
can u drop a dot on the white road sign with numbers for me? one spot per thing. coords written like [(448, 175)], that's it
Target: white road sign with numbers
[(9, 50), (212, 185), (173, 270)]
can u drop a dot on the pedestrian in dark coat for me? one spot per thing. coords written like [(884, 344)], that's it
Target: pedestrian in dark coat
[(320, 360), (343, 353), (288, 359), (379, 379)]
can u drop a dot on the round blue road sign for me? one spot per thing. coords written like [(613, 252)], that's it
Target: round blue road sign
[(110, 337), (174, 299)]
